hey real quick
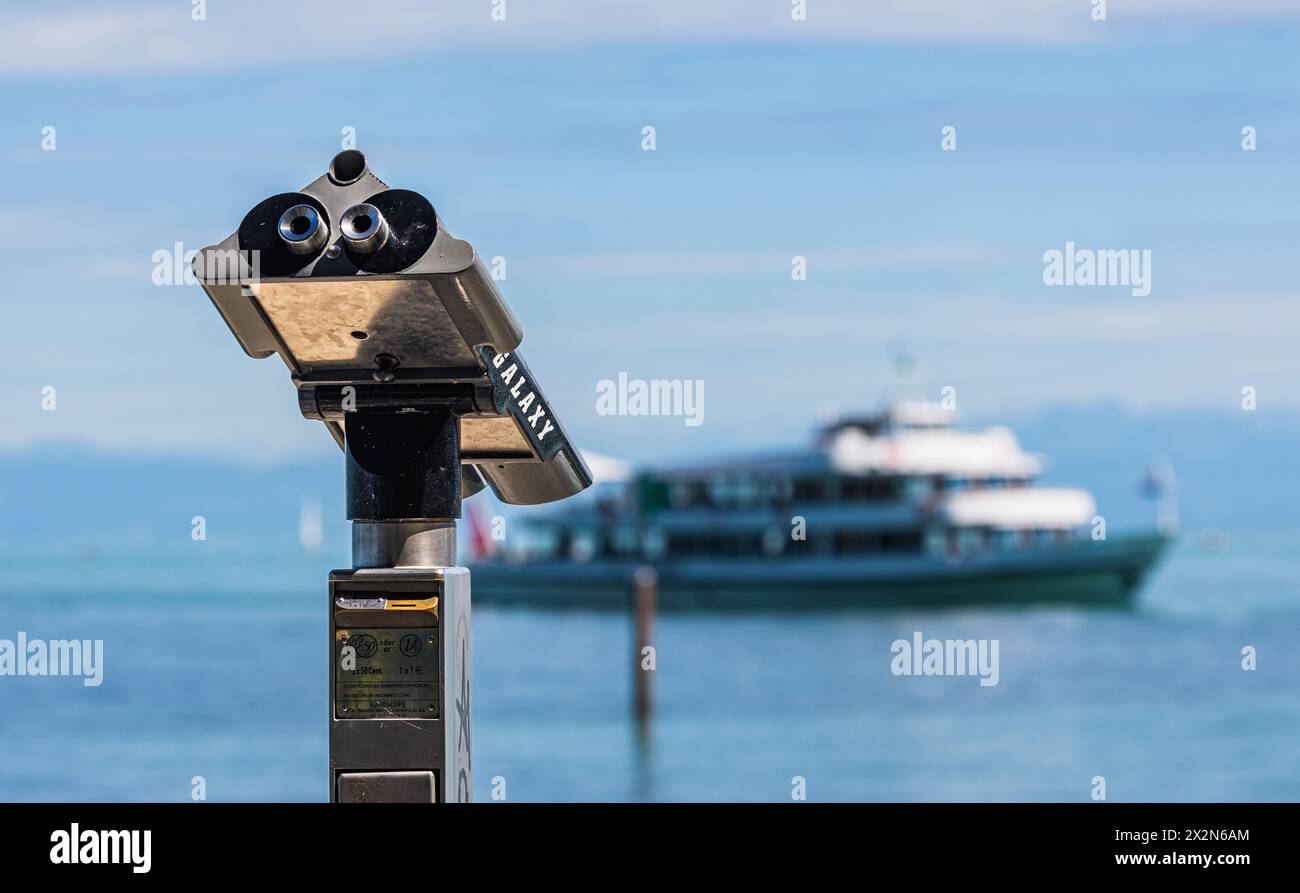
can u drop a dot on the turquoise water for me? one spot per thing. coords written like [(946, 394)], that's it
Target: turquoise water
[(215, 667)]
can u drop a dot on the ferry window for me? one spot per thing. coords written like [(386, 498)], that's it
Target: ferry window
[(539, 542), (997, 483), (624, 540), (956, 483), (856, 542), (917, 489), (902, 541), (747, 491), (779, 490), (865, 542), (798, 547), (680, 494), (721, 493), (868, 489), (935, 540), (708, 544), (654, 543), (583, 547), (970, 540), (652, 494), (809, 490), (774, 542)]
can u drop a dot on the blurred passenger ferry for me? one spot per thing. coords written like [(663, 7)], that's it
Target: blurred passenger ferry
[(895, 509)]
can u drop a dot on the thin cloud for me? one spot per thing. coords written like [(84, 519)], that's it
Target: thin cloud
[(1087, 317), (155, 36), (679, 263)]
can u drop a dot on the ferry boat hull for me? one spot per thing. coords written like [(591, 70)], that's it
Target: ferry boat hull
[(1101, 574)]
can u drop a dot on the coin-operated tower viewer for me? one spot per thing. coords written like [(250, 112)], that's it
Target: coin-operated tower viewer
[(399, 342)]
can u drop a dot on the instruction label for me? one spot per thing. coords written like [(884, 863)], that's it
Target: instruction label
[(381, 673)]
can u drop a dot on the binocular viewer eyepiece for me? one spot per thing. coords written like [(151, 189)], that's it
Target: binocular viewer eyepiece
[(364, 228), (302, 230), (305, 231), (378, 310)]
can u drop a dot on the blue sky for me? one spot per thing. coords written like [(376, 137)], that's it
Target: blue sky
[(774, 138)]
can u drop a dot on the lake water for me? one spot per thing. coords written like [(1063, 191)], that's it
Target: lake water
[(215, 666)]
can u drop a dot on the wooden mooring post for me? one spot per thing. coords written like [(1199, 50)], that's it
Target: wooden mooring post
[(644, 597)]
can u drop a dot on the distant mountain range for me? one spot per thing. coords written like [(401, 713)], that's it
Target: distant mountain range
[(79, 496), (1233, 471)]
